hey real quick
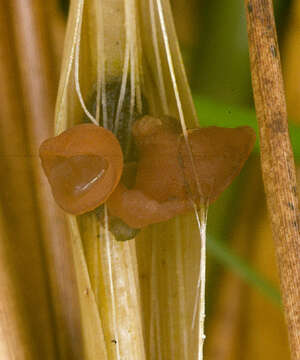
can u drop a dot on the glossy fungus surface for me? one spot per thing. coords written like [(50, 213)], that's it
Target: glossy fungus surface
[(218, 154), (83, 165), (168, 181)]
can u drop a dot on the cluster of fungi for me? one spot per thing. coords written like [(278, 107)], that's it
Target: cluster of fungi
[(85, 168)]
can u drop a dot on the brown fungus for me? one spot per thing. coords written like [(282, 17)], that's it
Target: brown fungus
[(166, 182), (83, 165), (219, 155)]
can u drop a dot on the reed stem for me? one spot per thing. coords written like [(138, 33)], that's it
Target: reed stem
[(276, 158)]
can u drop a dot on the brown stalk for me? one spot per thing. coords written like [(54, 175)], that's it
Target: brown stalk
[(38, 78), (20, 248), (276, 158), (42, 276)]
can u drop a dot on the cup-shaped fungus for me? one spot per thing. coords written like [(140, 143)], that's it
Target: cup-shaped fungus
[(173, 173), (83, 165), (159, 174), (218, 155)]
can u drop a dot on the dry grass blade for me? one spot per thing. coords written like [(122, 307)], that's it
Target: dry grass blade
[(277, 158), (39, 81), (13, 342), (42, 278), (168, 253), (120, 63), (21, 252), (100, 50)]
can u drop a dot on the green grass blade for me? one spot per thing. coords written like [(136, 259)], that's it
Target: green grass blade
[(225, 256)]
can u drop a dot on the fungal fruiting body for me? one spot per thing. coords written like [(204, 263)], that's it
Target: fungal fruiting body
[(85, 163), (167, 182), (158, 192), (218, 154)]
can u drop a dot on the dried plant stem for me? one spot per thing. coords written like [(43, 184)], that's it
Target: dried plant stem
[(38, 80), (106, 269), (26, 98), (13, 342), (182, 288), (200, 295), (108, 245), (171, 67), (277, 158), (94, 343)]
